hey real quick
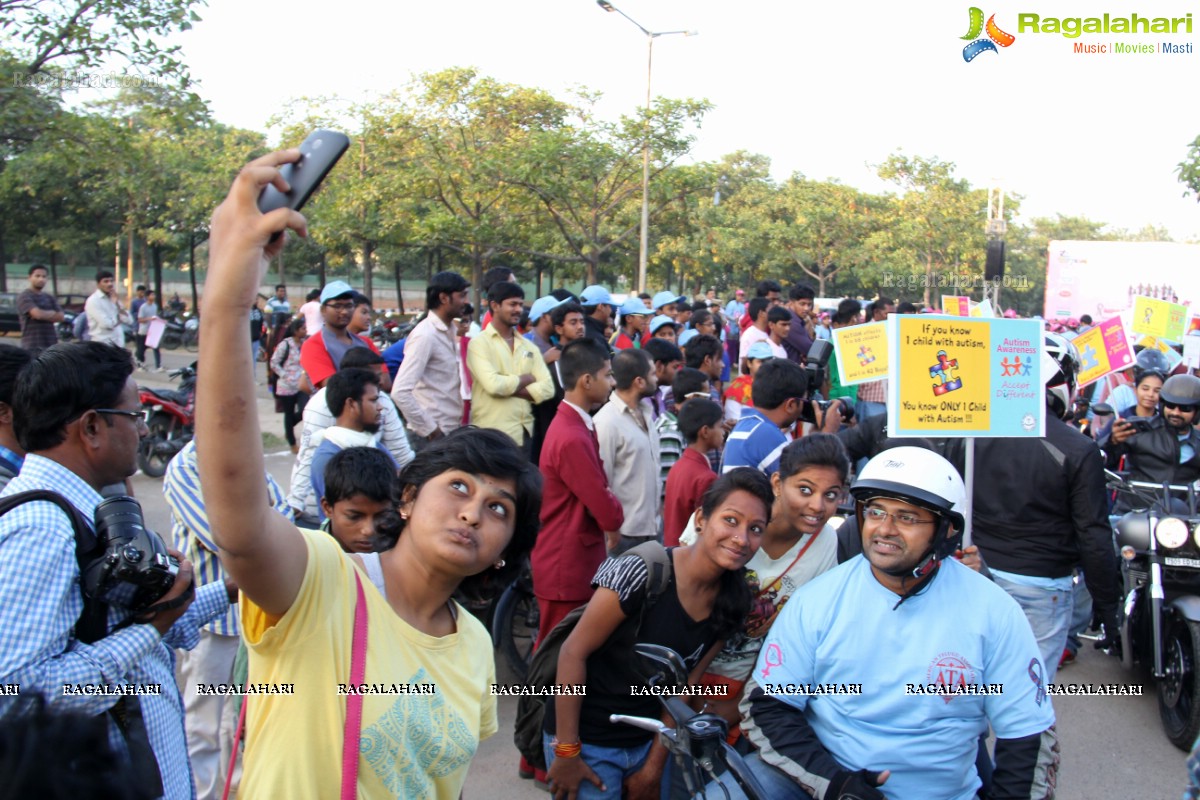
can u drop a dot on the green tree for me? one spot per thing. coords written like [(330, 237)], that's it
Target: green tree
[(935, 228)]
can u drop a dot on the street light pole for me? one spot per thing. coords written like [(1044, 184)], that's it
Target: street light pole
[(644, 237)]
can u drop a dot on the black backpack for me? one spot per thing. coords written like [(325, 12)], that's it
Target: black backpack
[(543, 668)]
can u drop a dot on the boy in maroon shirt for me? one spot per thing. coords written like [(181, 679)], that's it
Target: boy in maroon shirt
[(577, 504), (700, 423)]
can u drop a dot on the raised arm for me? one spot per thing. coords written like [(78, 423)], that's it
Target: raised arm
[(259, 548)]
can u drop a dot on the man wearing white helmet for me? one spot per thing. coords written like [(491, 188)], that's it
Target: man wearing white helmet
[(879, 676)]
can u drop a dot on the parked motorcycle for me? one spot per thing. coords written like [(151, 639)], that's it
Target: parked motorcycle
[(1159, 550), (171, 418), (697, 743)]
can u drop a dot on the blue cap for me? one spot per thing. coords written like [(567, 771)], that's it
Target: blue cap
[(659, 321), (665, 298), (634, 307), (335, 289), (543, 305), (687, 336), (760, 350), (595, 295)]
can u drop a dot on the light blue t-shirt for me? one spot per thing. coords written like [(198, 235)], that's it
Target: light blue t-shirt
[(842, 628)]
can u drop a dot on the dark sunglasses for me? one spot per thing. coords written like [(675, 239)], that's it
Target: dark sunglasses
[(1184, 409)]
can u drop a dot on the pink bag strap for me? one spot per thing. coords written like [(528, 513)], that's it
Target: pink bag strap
[(353, 727), (237, 737), (358, 669)]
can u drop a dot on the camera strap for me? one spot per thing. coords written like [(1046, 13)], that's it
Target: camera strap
[(92, 626)]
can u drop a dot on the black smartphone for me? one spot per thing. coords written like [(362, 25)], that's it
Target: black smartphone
[(1141, 423), (319, 151)]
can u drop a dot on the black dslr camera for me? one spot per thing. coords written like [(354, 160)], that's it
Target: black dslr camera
[(133, 570), (815, 365)]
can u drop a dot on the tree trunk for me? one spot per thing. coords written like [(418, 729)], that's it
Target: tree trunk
[(156, 258), (399, 271), (54, 272), (368, 252), (321, 271), (929, 277), (539, 279), (3, 253), (191, 275), (592, 269), (477, 275), (429, 256)]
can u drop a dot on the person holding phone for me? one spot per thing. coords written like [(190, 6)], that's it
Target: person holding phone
[(468, 505)]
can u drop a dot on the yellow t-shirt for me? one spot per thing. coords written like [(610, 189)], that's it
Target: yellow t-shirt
[(412, 744)]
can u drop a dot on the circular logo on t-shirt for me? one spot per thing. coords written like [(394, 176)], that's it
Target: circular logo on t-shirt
[(951, 671)]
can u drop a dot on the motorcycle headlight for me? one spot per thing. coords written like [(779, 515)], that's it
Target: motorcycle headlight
[(1171, 533), (1196, 535)]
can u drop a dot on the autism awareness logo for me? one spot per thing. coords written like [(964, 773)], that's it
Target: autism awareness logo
[(995, 36)]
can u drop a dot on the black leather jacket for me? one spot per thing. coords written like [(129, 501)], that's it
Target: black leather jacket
[(1153, 454)]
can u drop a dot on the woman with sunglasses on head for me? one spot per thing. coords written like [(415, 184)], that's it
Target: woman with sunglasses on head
[(389, 678), (704, 602)]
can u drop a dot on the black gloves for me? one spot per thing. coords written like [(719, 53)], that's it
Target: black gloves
[(860, 785)]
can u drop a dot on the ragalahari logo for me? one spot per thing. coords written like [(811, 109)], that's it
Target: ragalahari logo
[(995, 36)]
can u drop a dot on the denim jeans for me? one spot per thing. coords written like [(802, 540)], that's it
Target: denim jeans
[(1049, 614), (1081, 616), (776, 784), (611, 764)]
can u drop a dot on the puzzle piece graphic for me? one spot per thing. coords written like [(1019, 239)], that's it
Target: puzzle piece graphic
[(865, 356), (942, 371), (1088, 357)]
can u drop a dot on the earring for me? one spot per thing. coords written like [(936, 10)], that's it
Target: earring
[(697, 529), (499, 564)]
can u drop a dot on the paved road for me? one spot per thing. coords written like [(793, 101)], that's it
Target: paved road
[(1111, 746)]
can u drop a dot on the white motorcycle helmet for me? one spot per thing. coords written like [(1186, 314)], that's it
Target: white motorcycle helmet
[(914, 475), (1060, 368)]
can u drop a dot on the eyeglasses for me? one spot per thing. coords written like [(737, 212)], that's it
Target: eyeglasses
[(138, 417), (904, 520), (347, 306), (1176, 407)]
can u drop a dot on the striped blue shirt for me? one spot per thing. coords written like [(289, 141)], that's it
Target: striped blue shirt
[(190, 531), (754, 442), (40, 602)]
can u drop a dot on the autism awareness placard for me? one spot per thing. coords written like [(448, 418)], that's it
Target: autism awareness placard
[(1158, 318), (959, 377), (862, 353), (955, 306), (1103, 349)]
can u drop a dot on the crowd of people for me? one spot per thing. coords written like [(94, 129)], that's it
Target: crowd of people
[(673, 470)]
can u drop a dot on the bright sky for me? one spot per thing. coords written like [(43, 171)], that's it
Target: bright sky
[(826, 89)]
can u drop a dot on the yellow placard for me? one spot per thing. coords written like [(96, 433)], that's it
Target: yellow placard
[(947, 384), (956, 305), (1158, 318), (862, 353)]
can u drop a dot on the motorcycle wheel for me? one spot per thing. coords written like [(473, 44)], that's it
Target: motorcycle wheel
[(515, 627), (1179, 690), (170, 340), (191, 341), (150, 461)]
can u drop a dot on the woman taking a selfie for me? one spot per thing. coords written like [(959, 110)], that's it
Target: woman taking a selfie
[(704, 602), (390, 685)]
